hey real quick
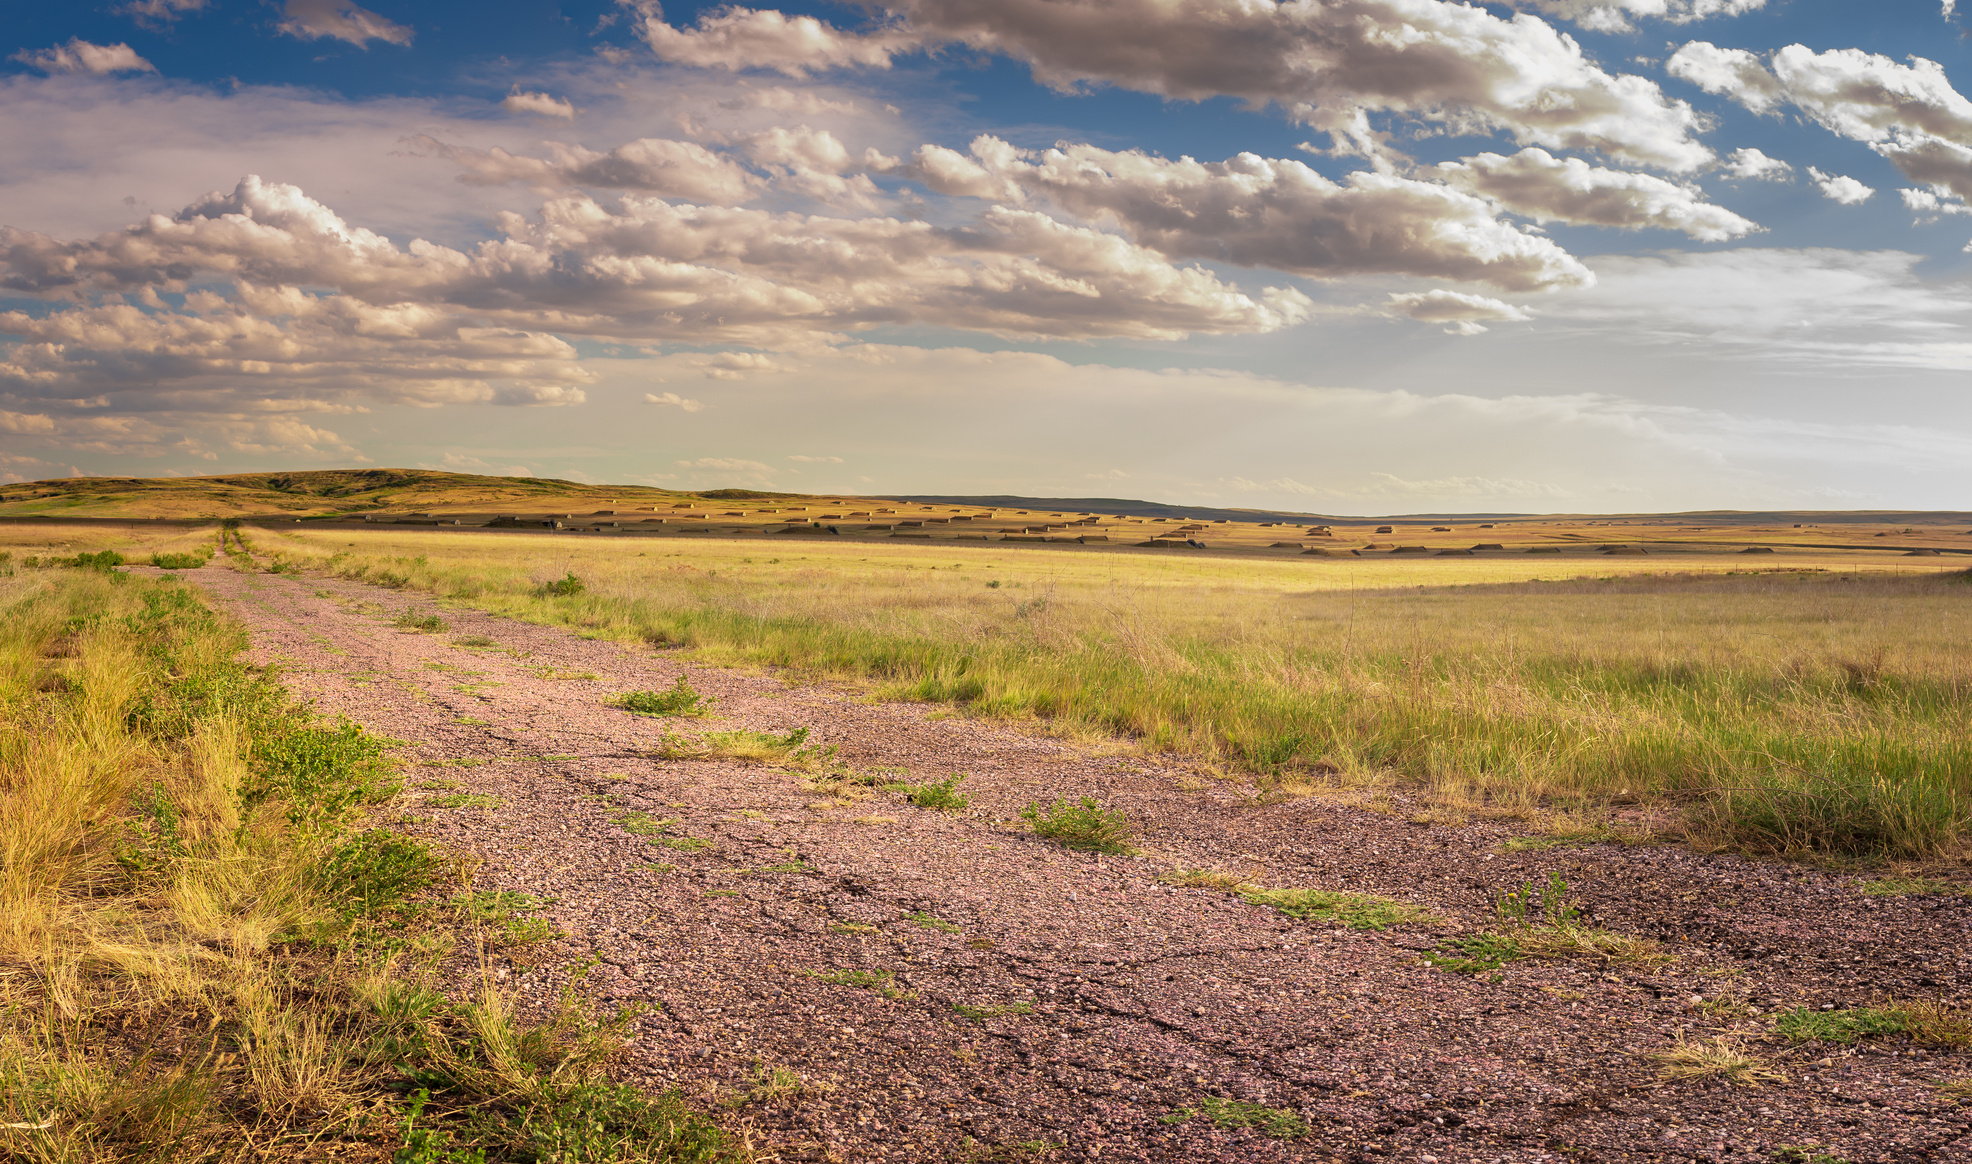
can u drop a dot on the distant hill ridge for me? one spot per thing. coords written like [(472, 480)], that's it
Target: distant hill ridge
[(326, 492)]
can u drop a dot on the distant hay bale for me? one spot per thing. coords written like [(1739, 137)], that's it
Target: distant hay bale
[(1624, 551), (1017, 537), (1922, 554), (1489, 546), (1410, 550), (1318, 552), (1757, 550), (1488, 525), (1543, 549), (1453, 554), (1085, 539), (1441, 529), (901, 534), (1385, 529), (1285, 546)]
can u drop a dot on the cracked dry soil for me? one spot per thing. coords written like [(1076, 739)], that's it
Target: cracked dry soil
[(1104, 1004)]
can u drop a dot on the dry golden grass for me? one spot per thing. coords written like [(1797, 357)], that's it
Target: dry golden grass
[(204, 955), (1721, 1058), (1795, 712)]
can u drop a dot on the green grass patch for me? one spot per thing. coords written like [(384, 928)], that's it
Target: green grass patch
[(463, 800), (1280, 1123), (680, 699), (1084, 825), (1356, 911), (429, 624), (943, 795), (1804, 1024), (880, 982)]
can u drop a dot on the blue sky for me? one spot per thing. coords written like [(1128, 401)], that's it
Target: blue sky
[(1579, 255)]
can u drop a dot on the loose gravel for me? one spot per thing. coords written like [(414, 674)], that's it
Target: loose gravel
[(1022, 1002)]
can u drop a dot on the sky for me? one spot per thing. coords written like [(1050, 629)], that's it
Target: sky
[(1337, 256)]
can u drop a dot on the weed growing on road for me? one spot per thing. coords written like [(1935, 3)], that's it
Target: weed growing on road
[(929, 922), (677, 700), (1956, 1090), (411, 620), (1805, 1154), (881, 982), (980, 1014), (790, 750), (1715, 1058), (463, 800), (501, 912), (474, 642), (943, 795), (1278, 1122), (772, 1086), (1475, 954), (1357, 911), (1084, 825), (1543, 921), (1931, 1021)]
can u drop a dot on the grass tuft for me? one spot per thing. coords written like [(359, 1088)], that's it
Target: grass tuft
[(677, 700), (1083, 825), (1356, 911), (1279, 1123), (1719, 1058)]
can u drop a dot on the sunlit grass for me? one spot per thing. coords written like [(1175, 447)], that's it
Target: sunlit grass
[(1791, 711)]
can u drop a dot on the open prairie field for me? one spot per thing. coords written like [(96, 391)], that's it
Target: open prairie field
[(414, 843), (1821, 707)]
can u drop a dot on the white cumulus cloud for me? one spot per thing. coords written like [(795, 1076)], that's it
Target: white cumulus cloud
[(1265, 212), (80, 56), (1462, 313), (1545, 188), (340, 20), (1840, 187), (538, 103), (673, 400)]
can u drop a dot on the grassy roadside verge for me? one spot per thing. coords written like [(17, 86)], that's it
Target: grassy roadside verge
[(206, 953), (1803, 714)]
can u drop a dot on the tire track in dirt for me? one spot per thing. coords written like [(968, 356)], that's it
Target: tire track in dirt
[(1139, 998)]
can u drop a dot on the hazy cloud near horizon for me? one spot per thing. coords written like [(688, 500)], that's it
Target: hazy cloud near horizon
[(1341, 255)]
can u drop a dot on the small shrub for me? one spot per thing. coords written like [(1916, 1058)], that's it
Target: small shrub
[(429, 624), (1532, 904), (180, 561), (677, 700), (1278, 1122), (1357, 911), (943, 795), (101, 560), (566, 586), (1083, 825)]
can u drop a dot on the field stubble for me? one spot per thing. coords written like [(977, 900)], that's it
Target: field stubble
[(1800, 711)]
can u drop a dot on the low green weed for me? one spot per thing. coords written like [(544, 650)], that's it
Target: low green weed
[(1083, 825), (943, 795), (882, 982), (1278, 1122), (1357, 911), (429, 624), (566, 586), (677, 700)]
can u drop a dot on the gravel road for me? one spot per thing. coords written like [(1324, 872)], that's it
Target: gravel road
[(1102, 1005)]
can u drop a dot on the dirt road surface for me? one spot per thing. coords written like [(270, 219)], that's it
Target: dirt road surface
[(1104, 1008)]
